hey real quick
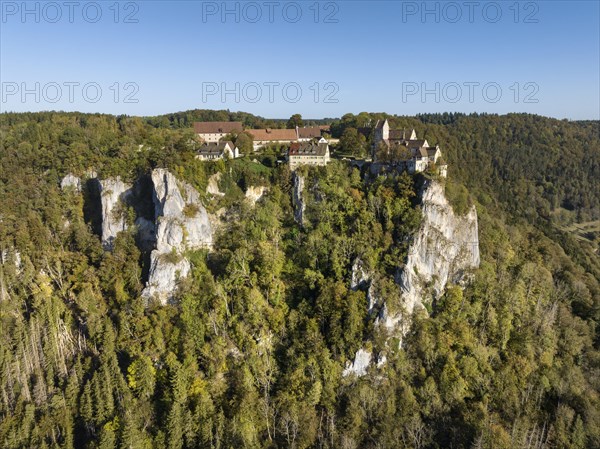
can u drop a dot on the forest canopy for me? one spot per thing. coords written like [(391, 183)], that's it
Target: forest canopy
[(251, 353)]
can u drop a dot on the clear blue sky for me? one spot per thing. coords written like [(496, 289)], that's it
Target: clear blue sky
[(358, 56)]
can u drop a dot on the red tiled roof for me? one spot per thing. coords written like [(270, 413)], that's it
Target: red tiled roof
[(273, 134), (310, 132), (217, 127)]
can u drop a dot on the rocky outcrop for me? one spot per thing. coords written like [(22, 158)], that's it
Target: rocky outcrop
[(71, 181), (164, 275), (182, 223), (444, 250), (297, 198), (213, 185), (362, 360), (113, 195), (372, 298), (360, 276), (182, 220), (255, 193)]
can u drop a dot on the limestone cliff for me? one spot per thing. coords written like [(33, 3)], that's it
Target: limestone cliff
[(182, 223), (70, 180), (362, 360), (297, 198), (444, 249), (360, 276), (113, 194)]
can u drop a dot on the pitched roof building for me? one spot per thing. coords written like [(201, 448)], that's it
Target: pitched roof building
[(315, 152), (420, 155), (215, 131), (311, 132), (211, 151), (267, 136)]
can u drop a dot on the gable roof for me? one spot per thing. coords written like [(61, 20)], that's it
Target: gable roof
[(308, 149), (396, 134), (423, 152), (273, 134), (416, 143), (402, 134), (217, 127), (216, 147), (310, 132), (380, 124), (431, 151), (410, 133)]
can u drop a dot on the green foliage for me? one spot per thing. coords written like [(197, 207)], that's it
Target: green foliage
[(244, 143), (351, 142), (458, 197), (190, 210), (252, 352), (295, 120)]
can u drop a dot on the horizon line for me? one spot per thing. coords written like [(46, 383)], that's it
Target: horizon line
[(304, 118)]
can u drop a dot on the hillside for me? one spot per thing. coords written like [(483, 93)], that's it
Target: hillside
[(260, 344)]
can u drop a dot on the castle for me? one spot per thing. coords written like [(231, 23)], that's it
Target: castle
[(401, 146)]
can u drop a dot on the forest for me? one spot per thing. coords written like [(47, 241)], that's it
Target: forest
[(251, 353)]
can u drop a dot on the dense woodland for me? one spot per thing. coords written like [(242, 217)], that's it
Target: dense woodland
[(252, 352)]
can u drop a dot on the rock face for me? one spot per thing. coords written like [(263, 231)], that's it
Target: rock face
[(360, 276), (146, 233), (445, 248), (362, 360), (182, 223), (213, 185), (71, 180), (255, 193), (297, 199), (164, 274), (113, 193)]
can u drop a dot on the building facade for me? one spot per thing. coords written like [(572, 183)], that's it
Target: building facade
[(212, 151), (262, 137), (215, 131), (401, 146), (315, 152)]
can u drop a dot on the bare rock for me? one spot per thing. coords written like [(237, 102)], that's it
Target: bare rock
[(113, 196), (255, 193), (182, 224)]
